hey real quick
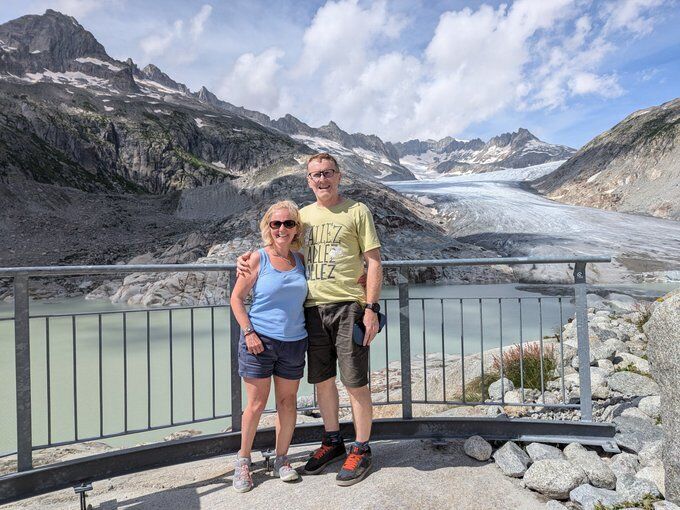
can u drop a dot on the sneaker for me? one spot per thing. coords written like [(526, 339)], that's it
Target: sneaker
[(323, 456), (284, 470), (356, 466), (242, 481)]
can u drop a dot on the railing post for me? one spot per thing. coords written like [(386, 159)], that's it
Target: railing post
[(405, 340), (22, 357), (586, 396), (235, 333)]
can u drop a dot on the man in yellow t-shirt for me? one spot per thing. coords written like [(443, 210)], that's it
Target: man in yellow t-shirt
[(339, 237)]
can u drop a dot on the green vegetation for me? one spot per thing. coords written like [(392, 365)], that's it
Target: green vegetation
[(525, 365), (647, 502), (632, 368)]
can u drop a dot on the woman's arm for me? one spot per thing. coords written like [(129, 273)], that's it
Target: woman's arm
[(244, 285)]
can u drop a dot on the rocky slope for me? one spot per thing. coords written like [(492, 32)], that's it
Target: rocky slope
[(633, 167), (103, 162), (449, 155)]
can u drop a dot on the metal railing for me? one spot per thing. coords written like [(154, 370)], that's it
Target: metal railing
[(446, 315)]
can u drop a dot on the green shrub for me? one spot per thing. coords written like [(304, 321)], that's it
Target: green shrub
[(529, 359)]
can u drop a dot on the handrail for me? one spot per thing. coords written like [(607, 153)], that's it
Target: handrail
[(170, 268)]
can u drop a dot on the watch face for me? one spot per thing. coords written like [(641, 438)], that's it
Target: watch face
[(374, 306)]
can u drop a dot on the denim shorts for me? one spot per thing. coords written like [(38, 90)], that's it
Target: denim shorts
[(283, 359)]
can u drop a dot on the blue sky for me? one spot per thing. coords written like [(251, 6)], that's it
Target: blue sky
[(565, 69)]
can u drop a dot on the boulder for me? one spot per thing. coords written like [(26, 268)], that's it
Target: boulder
[(540, 451), (624, 464), (588, 497), (477, 448), (632, 488), (651, 406), (632, 433), (655, 475), (555, 478), (626, 360), (512, 460), (651, 453), (498, 388), (663, 332), (630, 383), (665, 505), (598, 472), (621, 302)]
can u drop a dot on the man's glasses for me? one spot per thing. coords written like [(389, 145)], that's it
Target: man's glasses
[(276, 224), (315, 176)]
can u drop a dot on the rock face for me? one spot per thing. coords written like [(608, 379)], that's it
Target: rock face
[(633, 167), (509, 150), (663, 330)]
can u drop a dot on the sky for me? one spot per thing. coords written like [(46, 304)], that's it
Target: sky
[(567, 70)]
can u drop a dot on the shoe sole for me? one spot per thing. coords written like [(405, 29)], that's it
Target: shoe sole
[(290, 478), (241, 491), (347, 483), (324, 466)]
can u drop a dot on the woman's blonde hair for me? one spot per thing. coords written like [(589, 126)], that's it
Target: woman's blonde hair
[(266, 231)]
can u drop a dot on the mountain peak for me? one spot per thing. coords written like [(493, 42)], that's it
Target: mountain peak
[(153, 73)]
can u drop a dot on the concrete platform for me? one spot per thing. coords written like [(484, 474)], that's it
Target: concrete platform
[(406, 474)]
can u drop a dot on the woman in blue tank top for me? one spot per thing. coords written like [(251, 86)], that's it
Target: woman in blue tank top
[(273, 336)]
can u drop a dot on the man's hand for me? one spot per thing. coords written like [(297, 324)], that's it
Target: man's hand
[(371, 324), (242, 266), (254, 344)]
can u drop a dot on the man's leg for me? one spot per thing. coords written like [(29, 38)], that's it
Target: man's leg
[(362, 412), (329, 403)]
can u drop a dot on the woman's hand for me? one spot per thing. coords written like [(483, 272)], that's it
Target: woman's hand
[(254, 344), (242, 266)]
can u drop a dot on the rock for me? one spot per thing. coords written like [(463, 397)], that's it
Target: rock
[(606, 365), (495, 390), (512, 460), (624, 464), (588, 496), (651, 406), (598, 472), (540, 451), (665, 505), (555, 478), (625, 360), (651, 453), (664, 356), (634, 411), (598, 383), (632, 433), (182, 434), (554, 505), (631, 488), (603, 351), (596, 302), (621, 302), (654, 474), (629, 383), (477, 448)]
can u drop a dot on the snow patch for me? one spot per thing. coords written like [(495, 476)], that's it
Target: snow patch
[(199, 122), (109, 108), (593, 177), (219, 164), (35, 52), (97, 62)]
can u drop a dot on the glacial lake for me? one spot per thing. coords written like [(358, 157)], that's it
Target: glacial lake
[(430, 306)]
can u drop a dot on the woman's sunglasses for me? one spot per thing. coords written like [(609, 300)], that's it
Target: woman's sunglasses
[(277, 224)]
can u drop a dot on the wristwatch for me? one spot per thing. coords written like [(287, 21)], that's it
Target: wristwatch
[(375, 307), (247, 331)]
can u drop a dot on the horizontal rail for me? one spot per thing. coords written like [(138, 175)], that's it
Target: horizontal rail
[(132, 460), (171, 268)]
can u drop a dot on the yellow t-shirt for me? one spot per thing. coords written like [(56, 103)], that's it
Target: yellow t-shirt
[(334, 240)]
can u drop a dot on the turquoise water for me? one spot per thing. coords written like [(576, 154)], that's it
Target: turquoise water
[(170, 388)]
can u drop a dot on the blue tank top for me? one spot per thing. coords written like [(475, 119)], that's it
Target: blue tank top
[(278, 298)]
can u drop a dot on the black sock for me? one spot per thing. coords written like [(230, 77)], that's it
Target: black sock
[(362, 446), (332, 437)]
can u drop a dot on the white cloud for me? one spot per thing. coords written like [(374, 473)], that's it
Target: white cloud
[(351, 68), (631, 15), (177, 37), (79, 8), (252, 82)]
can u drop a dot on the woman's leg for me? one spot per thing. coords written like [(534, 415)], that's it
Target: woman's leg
[(286, 412), (257, 392)]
